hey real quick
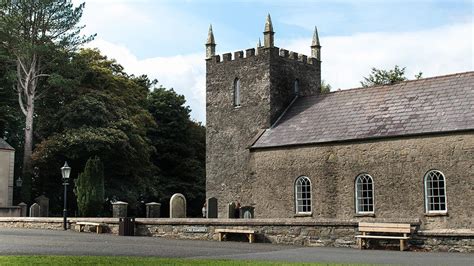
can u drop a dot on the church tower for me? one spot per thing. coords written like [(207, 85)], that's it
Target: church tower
[(246, 94)]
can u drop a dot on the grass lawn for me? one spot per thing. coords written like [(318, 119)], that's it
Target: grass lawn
[(103, 260)]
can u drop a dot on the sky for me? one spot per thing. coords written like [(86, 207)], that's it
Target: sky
[(165, 39)]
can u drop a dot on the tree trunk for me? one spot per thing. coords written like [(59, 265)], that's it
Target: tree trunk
[(27, 169), (27, 81)]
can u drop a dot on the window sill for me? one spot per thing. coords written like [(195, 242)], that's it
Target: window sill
[(435, 214), (364, 215), (303, 215)]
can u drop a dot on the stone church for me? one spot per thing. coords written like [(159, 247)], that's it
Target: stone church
[(383, 153)]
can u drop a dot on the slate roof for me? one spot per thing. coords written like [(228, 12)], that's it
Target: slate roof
[(4, 145), (438, 104)]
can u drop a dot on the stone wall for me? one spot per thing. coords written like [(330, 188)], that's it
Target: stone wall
[(266, 86), (397, 166), (13, 211), (300, 232)]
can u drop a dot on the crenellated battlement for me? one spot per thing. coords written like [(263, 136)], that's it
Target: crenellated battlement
[(252, 52)]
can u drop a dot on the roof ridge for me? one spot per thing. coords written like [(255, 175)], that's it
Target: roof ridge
[(397, 83)]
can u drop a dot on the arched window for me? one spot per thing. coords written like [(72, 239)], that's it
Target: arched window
[(237, 92), (303, 195), (364, 192), (296, 87), (435, 191)]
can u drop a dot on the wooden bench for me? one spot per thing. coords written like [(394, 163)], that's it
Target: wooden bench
[(250, 234), (389, 230), (99, 226)]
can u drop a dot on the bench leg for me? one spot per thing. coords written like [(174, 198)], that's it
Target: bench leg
[(402, 244), (220, 236), (81, 228), (359, 242), (251, 238)]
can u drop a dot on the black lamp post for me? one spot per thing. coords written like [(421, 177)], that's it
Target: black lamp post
[(65, 171)]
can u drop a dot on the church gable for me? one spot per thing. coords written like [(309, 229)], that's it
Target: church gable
[(432, 105)]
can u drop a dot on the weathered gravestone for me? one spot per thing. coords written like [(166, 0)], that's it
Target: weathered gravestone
[(178, 206), (153, 210), (43, 202), (246, 212), (23, 209), (119, 209), (35, 210), (231, 210), (211, 207)]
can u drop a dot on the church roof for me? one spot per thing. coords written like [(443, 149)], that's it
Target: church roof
[(4, 145), (424, 106)]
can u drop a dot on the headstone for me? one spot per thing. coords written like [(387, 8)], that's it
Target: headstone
[(35, 210), (119, 209), (178, 206), (43, 202), (211, 207), (23, 209), (153, 210), (231, 210), (246, 212)]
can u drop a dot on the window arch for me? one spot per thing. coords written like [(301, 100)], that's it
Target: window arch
[(303, 195), (296, 87), (364, 192), (435, 191), (236, 92)]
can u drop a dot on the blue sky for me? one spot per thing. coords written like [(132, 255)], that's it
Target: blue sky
[(165, 39)]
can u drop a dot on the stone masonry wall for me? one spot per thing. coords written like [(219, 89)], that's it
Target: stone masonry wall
[(397, 166), (300, 232)]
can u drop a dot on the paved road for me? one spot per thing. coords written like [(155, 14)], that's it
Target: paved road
[(48, 242)]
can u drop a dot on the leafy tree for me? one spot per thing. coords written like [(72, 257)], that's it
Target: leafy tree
[(101, 112), (325, 87), (89, 189), (180, 146), (386, 77), (34, 33)]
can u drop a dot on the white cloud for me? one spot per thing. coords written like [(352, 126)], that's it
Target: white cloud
[(438, 51), (346, 59)]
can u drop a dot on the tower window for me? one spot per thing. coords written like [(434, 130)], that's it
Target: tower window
[(237, 92), (296, 87), (364, 191), (435, 192), (303, 195)]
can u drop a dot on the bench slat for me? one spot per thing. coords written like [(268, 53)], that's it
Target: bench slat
[(383, 237), (235, 231), (365, 224), (385, 230)]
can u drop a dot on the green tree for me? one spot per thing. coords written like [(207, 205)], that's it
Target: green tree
[(89, 189), (386, 77), (180, 146), (102, 111), (34, 33), (325, 87)]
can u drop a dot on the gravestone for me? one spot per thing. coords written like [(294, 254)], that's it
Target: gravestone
[(178, 206), (119, 209), (231, 210), (211, 207), (246, 212), (153, 210), (43, 202), (23, 209), (35, 210)]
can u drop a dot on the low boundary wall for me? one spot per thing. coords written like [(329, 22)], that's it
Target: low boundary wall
[(301, 232)]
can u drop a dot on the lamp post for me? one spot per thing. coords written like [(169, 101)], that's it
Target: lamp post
[(65, 171)]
